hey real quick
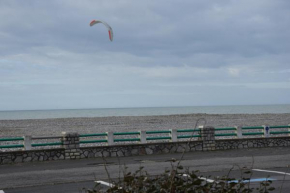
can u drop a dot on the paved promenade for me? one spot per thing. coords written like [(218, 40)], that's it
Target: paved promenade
[(72, 175)]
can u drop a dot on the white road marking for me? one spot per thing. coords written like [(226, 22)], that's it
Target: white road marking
[(206, 179), (103, 183), (1, 191), (283, 173), (253, 180), (106, 184), (202, 178)]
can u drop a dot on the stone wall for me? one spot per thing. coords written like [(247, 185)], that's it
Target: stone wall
[(31, 156), (71, 148), (140, 149), (252, 143)]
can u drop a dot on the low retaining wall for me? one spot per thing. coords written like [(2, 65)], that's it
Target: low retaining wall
[(225, 144), (140, 149), (179, 147), (31, 156), (71, 148)]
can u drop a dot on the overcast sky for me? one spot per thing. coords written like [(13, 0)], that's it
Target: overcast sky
[(164, 53)]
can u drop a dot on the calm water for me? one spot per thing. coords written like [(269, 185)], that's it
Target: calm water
[(44, 114)]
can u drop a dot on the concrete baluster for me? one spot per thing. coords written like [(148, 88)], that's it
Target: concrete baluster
[(142, 137), (27, 142), (110, 138), (173, 135), (239, 132)]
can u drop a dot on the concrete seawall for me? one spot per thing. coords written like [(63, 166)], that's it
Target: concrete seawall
[(71, 148)]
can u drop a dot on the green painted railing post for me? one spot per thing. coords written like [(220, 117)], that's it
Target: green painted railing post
[(289, 129), (110, 138), (173, 135), (27, 142), (142, 137), (239, 132)]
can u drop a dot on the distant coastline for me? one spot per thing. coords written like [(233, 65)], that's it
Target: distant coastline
[(143, 111)]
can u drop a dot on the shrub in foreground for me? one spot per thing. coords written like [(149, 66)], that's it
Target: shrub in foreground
[(180, 180)]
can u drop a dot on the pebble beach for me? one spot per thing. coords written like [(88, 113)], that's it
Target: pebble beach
[(54, 127)]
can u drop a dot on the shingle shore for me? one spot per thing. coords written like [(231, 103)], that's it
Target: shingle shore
[(54, 127)]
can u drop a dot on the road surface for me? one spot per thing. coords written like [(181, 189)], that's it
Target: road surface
[(73, 175)]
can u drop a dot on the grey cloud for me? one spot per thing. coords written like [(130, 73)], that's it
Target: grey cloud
[(160, 48)]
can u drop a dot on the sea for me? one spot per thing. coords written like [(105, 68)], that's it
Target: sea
[(143, 111)]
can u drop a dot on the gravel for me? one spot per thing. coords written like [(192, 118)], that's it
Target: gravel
[(54, 127)]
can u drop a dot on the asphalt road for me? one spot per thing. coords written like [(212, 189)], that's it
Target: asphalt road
[(73, 175)]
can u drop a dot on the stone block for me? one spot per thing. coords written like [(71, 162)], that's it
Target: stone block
[(250, 144), (106, 154), (27, 159), (180, 149), (173, 149), (165, 150), (120, 154), (59, 153), (40, 158), (67, 151), (149, 151), (198, 148), (86, 153), (61, 157), (98, 154), (18, 159), (45, 157), (72, 146), (7, 161), (135, 152)]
